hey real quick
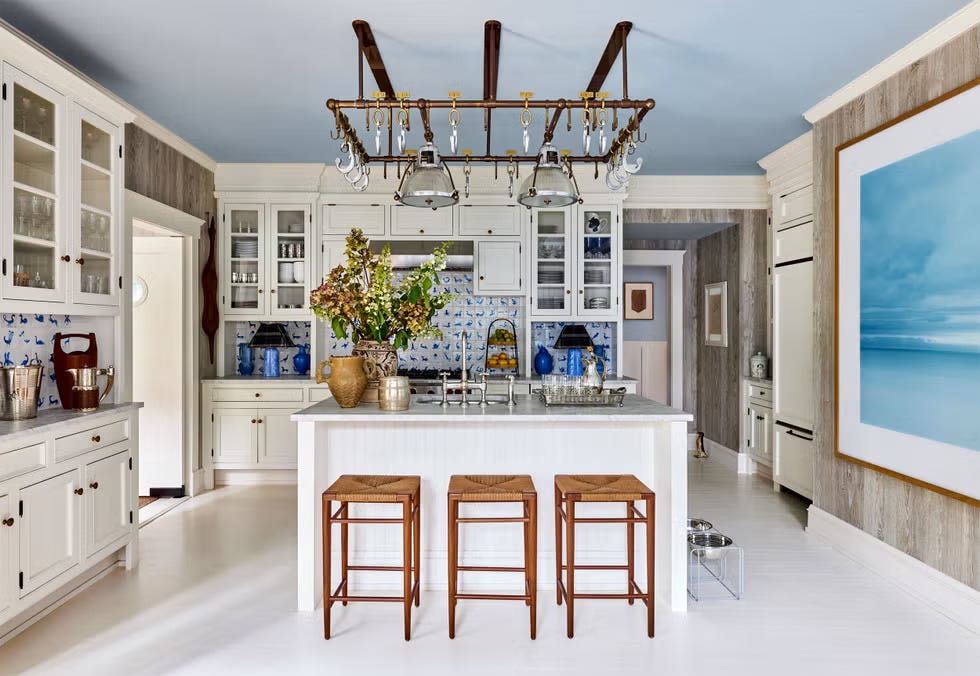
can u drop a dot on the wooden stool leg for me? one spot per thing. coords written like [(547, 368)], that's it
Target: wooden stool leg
[(651, 532), (570, 564), (326, 568), (630, 542), (453, 561), (407, 564), (558, 549), (343, 549), (417, 529), (532, 548), (526, 526)]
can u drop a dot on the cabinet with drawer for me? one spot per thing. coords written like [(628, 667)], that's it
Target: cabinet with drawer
[(92, 439), (757, 421)]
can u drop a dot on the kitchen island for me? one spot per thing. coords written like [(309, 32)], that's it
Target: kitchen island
[(642, 437)]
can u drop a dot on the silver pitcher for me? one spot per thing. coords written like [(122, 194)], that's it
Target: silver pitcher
[(85, 391), (20, 387)]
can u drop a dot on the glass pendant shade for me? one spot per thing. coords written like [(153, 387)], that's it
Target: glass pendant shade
[(429, 184), (548, 185)]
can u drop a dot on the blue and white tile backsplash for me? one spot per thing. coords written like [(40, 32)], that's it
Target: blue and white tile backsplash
[(467, 312), (603, 334), (243, 332), (29, 337)]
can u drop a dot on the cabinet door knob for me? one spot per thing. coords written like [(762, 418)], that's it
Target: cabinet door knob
[(253, 421), (568, 291), (580, 292), (9, 521), (258, 394), (489, 232), (421, 231), (80, 261), (66, 258), (482, 278), (260, 291), (94, 485), (272, 291), (97, 438), (79, 491), (259, 421)]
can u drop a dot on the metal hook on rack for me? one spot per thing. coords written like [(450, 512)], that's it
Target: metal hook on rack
[(586, 123), (379, 118), (603, 118), (454, 119), (403, 119), (510, 172), (526, 117), (467, 170), (345, 168)]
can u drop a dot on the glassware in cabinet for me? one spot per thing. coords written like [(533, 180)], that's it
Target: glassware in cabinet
[(551, 262), (597, 261), (244, 276), (289, 257), (98, 168)]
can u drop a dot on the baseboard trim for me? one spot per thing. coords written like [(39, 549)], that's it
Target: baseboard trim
[(723, 454), (940, 592), (249, 477)]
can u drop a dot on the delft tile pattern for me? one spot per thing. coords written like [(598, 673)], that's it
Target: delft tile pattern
[(298, 331), (467, 312), (602, 333), (29, 338)]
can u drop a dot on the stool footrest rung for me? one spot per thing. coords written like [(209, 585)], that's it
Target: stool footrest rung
[(492, 569), (595, 567), (492, 519), (493, 597), (392, 569)]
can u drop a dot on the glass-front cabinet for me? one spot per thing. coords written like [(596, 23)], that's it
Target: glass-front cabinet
[(290, 240), (33, 148), (574, 262), (95, 267), (266, 270), (244, 275), (595, 242), (551, 262)]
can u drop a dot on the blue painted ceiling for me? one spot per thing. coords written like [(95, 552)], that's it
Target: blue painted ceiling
[(246, 81)]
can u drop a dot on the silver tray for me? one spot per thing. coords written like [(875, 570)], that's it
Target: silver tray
[(601, 398)]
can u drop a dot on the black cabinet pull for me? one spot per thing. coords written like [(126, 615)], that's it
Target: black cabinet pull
[(79, 491), (9, 521), (94, 485)]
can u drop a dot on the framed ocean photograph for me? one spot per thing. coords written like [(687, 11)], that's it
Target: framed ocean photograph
[(908, 296)]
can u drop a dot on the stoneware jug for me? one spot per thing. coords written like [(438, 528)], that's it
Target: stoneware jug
[(346, 380)]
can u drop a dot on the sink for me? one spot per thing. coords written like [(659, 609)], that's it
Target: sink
[(492, 400)]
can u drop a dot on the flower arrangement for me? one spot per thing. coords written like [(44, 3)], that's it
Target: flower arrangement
[(362, 298)]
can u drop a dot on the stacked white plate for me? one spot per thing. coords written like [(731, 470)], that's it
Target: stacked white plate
[(594, 276), (599, 303), (551, 277), (286, 273), (244, 248)]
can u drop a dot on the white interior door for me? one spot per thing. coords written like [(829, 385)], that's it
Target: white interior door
[(158, 358), (107, 501), (50, 529)]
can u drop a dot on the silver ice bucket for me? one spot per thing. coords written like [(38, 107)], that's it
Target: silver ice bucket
[(19, 390)]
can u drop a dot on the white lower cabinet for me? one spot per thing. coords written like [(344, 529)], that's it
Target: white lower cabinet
[(759, 425), (108, 506), (50, 529), (8, 536), (793, 460), (277, 438), (235, 435), (61, 518)]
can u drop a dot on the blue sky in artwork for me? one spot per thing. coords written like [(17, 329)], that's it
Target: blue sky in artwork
[(920, 250)]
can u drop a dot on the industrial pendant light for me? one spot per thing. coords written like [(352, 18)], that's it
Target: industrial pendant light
[(427, 181), (549, 185)]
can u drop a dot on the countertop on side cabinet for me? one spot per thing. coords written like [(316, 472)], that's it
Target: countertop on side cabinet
[(612, 381), (528, 409), (763, 382), (11, 430), (288, 379)]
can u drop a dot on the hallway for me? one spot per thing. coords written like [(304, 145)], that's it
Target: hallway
[(216, 586)]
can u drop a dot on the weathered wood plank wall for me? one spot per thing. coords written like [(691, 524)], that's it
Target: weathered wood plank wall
[(942, 532), (160, 172)]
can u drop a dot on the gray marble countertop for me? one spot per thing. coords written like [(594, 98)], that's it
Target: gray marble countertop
[(58, 416), (527, 409), (288, 379), (764, 382)]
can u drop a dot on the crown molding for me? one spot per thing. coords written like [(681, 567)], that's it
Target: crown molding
[(928, 42), (790, 165), (697, 192), (269, 177)]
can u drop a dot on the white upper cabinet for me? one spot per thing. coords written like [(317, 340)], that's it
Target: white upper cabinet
[(36, 250), (61, 178), (340, 219), (415, 222), (500, 220), (575, 262), (95, 269), (498, 268), (266, 271)]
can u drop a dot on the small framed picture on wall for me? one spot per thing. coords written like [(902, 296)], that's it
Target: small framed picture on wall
[(716, 314), (639, 300)]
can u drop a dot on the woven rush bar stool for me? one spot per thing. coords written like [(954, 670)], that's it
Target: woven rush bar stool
[(572, 489), (494, 488), (374, 489)]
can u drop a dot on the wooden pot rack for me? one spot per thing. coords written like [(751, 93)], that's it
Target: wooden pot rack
[(590, 101)]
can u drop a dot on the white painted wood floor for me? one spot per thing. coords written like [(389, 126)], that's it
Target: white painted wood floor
[(215, 590)]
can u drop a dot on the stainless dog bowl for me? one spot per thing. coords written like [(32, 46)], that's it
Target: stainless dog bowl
[(708, 544), (698, 525)]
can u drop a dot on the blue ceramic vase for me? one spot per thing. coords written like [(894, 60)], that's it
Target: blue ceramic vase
[(301, 361), (574, 367), (543, 362), (246, 364), (270, 362)]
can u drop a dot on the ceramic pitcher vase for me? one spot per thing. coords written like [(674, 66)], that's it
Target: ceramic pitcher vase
[(380, 361), (346, 380)]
